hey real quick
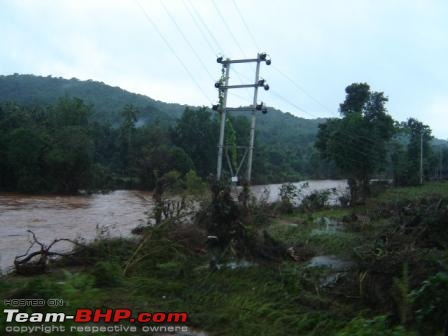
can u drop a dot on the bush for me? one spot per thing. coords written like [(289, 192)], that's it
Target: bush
[(194, 184), (288, 195), (107, 274), (317, 200), (430, 301), (117, 249)]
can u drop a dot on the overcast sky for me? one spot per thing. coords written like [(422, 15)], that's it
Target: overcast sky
[(399, 47)]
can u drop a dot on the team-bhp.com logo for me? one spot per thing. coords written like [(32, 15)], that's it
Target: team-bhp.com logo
[(84, 315)]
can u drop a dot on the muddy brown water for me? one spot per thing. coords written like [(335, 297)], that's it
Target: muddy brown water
[(50, 217), (272, 190), (87, 216)]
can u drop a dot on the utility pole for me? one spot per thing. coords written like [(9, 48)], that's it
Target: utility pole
[(252, 125), (421, 157), (223, 111), (223, 86)]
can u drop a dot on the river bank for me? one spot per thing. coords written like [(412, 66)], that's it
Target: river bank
[(87, 216), (333, 281)]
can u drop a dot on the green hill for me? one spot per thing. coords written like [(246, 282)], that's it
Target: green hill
[(284, 143), (276, 128), (107, 101)]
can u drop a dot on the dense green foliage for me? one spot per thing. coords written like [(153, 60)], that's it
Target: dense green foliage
[(366, 143), (357, 142), (45, 148), (130, 135), (406, 158), (110, 138), (59, 148)]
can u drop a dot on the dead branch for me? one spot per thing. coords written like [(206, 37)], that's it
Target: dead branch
[(26, 264)]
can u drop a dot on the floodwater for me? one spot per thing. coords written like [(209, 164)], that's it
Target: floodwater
[(53, 216), (89, 216), (271, 191)]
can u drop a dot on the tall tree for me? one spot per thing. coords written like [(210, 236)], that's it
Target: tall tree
[(196, 132), (69, 157), (418, 148), (357, 142), (127, 137)]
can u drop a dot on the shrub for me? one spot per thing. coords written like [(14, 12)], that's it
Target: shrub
[(107, 274), (430, 301), (317, 200)]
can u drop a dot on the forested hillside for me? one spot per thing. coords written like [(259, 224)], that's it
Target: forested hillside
[(62, 135), (107, 101), (285, 142)]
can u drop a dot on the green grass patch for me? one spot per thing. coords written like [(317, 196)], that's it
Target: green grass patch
[(429, 189)]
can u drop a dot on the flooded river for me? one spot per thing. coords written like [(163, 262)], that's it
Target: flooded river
[(87, 216), (50, 217)]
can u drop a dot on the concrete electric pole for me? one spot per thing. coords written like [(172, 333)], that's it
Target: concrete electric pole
[(223, 111), (223, 86)]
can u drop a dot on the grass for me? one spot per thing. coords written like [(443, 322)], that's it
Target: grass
[(308, 230), (280, 298), (311, 236), (429, 189), (226, 302)]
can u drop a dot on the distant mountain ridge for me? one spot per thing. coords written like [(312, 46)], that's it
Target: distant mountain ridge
[(277, 127), (107, 100)]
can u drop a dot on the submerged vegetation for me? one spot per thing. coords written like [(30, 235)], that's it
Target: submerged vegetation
[(376, 269)]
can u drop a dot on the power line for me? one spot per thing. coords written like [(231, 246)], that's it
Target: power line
[(278, 70), (245, 25), (302, 89), (228, 28), (294, 104), (187, 41), (200, 60), (239, 74), (316, 100), (353, 137), (299, 108), (206, 26), (172, 50), (350, 136), (240, 97), (198, 26), (207, 29)]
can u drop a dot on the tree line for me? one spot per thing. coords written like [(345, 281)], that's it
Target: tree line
[(61, 147), (366, 142)]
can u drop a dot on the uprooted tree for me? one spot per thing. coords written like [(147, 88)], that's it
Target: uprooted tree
[(357, 142)]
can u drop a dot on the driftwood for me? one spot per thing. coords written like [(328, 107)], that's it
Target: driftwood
[(37, 262)]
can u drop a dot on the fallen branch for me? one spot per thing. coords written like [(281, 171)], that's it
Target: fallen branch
[(26, 264)]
